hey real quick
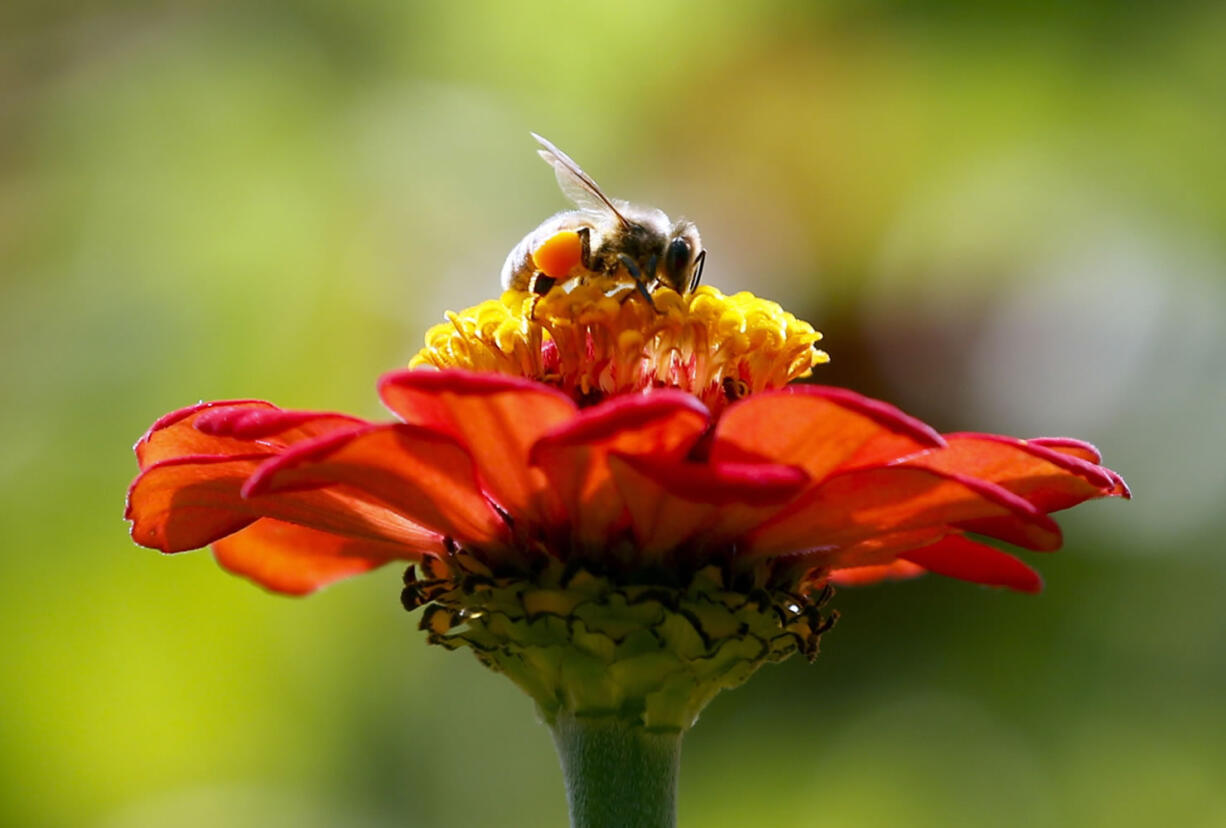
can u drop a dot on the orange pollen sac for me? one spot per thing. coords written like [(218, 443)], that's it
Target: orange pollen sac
[(559, 255), (594, 341)]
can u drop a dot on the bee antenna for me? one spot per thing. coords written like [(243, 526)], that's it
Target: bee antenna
[(699, 263)]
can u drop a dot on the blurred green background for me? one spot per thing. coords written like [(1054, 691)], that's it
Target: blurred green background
[(1007, 220)]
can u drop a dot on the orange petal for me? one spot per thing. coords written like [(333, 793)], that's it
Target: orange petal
[(958, 557), (575, 456), (818, 428), (1073, 448), (896, 570), (189, 502), (421, 474), (232, 427), (1120, 489), (856, 505), (1087, 452), (881, 549), (1049, 479), (672, 503), (296, 560), (497, 418)]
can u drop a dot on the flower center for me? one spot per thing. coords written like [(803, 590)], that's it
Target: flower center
[(587, 645), (592, 345)]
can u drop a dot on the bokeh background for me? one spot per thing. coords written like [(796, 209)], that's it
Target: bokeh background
[(1006, 217)]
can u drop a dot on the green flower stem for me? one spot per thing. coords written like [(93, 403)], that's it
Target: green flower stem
[(618, 774)]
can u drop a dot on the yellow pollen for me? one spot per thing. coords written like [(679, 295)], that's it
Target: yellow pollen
[(592, 345)]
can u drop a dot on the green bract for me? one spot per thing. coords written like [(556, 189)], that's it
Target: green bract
[(585, 644)]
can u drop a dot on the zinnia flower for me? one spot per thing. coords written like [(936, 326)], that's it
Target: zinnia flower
[(623, 508)]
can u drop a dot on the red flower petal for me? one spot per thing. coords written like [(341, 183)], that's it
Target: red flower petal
[(1084, 451), (819, 428), (881, 549), (954, 556), (896, 570), (959, 557), (575, 456), (233, 427), (628, 423), (1073, 448), (1049, 479), (855, 505), (421, 474), (1120, 489), (497, 418), (275, 427), (175, 434), (674, 502), (296, 560), (189, 502)]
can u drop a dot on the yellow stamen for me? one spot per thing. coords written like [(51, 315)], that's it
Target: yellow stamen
[(592, 344)]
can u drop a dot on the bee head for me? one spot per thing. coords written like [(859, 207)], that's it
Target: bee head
[(680, 266)]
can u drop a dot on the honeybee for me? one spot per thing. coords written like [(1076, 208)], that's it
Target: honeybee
[(605, 238)]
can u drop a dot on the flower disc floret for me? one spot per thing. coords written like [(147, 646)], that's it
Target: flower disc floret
[(592, 344)]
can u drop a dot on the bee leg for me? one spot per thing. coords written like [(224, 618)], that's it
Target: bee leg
[(646, 295), (585, 247), (538, 286), (639, 282), (698, 265)]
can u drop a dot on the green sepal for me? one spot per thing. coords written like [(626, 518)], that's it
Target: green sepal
[(584, 644)]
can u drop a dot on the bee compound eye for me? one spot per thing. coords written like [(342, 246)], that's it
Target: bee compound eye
[(677, 257)]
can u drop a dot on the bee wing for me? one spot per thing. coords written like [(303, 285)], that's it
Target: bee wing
[(576, 185)]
